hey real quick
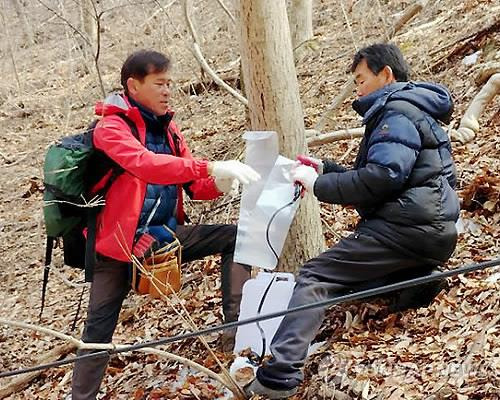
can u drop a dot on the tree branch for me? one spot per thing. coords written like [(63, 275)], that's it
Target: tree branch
[(75, 343), (348, 87), (319, 139), (66, 21), (19, 383), (203, 63), (226, 10)]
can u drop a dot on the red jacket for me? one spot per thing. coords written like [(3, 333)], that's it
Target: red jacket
[(117, 222)]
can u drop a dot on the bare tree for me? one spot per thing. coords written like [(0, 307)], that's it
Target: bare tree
[(10, 50), (21, 14), (274, 104), (301, 28), (88, 25)]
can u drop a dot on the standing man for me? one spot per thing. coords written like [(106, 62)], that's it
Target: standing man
[(402, 187), (138, 134)]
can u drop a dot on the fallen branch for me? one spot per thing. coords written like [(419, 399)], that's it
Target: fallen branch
[(343, 134), (465, 44), (469, 124), (6, 159), (348, 87), (78, 344), (203, 63), (19, 383)]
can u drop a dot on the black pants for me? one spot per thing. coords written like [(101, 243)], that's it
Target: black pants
[(111, 285), (357, 262)]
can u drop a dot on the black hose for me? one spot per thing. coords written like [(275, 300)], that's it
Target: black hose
[(230, 325)]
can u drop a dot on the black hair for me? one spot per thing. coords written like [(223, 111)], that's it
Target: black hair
[(141, 63), (379, 55)]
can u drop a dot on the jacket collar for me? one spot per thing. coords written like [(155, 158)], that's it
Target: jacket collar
[(369, 105), (149, 116), (121, 104)]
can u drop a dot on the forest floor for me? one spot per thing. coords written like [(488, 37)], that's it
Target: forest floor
[(446, 351)]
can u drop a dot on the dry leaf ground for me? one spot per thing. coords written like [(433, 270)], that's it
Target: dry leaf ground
[(447, 351)]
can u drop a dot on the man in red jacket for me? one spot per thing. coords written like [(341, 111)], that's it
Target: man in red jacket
[(157, 168)]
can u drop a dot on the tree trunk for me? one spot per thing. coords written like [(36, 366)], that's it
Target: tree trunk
[(21, 13), (274, 104), (301, 29), (88, 25)]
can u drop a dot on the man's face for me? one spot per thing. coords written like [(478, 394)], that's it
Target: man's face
[(153, 92), (367, 82)]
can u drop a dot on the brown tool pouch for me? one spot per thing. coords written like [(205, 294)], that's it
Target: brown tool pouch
[(160, 273)]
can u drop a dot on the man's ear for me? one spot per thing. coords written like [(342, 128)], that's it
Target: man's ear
[(132, 85), (388, 74)]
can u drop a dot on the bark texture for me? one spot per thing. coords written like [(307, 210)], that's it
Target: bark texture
[(274, 104)]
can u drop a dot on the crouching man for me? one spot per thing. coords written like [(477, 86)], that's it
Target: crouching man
[(402, 185)]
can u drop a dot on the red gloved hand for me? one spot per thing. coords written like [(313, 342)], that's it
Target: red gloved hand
[(144, 246), (316, 163)]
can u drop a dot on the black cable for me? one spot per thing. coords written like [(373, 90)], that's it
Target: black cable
[(298, 190), (297, 193), (330, 302), (259, 309)]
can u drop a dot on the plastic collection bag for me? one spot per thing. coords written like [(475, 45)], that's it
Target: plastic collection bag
[(279, 287), (257, 237)]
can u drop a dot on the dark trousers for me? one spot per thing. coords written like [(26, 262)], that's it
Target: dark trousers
[(111, 285), (357, 262)]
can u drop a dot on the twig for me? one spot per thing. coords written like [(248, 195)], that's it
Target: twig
[(98, 49), (66, 21), (159, 10), (11, 51), (6, 159), (201, 60), (228, 381), (18, 160), (61, 276), (349, 26), (383, 19), (226, 10)]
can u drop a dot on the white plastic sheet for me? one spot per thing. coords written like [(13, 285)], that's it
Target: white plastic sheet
[(261, 200)]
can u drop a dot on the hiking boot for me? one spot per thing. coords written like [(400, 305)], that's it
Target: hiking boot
[(255, 387), (417, 296)]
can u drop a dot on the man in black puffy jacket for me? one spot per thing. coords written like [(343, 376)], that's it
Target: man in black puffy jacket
[(402, 187)]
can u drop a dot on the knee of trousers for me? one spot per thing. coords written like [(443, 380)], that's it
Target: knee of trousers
[(229, 235)]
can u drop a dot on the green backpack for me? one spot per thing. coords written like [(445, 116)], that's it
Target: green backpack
[(71, 169)]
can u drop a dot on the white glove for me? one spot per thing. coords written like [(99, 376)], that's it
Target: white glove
[(305, 175), (227, 185), (236, 170)]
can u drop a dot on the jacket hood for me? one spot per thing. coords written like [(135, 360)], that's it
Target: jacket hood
[(432, 98), (113, 104), (117, 103)]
